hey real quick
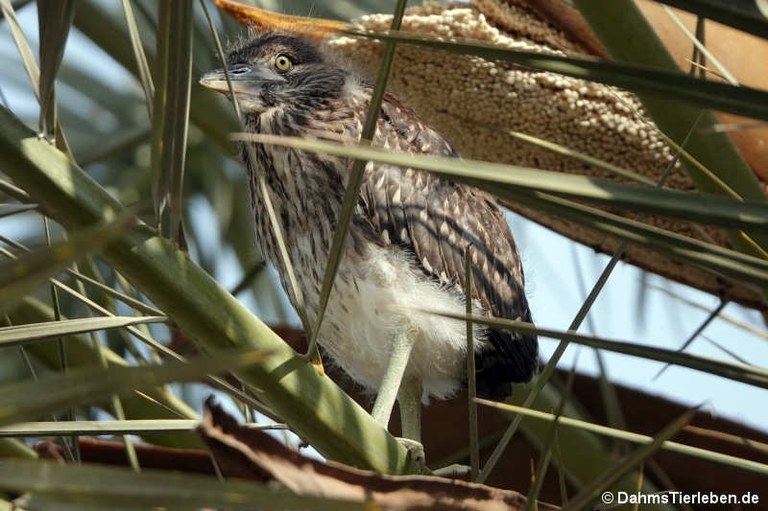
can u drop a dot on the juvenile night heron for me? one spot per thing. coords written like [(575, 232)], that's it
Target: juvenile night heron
[(407, 242)]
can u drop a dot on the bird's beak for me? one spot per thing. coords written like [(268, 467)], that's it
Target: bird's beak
[(216, 80), (242, 83)]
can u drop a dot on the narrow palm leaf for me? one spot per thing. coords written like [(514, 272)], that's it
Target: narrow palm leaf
[(709, 209), (11, 448), (30, 65), (7, 210), (21, 334), (54, 20), (145, 76), (118, 427), (749, 374), (745, 16), (30, 400), (637, 77), (170, 121)]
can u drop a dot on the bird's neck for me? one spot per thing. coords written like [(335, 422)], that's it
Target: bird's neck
[(303, 186)]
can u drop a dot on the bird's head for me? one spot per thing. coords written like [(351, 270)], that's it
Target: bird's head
[(278, 70)]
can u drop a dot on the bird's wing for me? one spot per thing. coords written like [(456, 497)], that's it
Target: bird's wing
[(438, 220)]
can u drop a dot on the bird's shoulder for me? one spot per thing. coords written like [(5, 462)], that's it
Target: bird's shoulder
[(436, 218), (400, 128)]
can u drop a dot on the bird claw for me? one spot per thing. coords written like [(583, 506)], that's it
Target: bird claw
[(314, 359), (415, 450)]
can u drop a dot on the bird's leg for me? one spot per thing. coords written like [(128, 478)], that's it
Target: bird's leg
[(402, 344), (406, 391), (409, 400)]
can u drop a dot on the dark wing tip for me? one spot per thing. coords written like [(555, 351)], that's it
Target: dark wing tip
[(508, 359)]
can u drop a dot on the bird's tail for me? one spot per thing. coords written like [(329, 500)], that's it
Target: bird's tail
[(507, 359)]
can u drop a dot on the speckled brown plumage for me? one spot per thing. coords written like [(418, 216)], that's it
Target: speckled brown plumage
[(409, 235)]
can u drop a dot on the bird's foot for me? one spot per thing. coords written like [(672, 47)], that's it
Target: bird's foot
[(312, 357), (415, 450)]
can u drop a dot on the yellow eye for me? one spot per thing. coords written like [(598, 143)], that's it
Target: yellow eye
[(283, 63)]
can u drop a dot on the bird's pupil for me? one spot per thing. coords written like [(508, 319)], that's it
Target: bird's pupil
[(282, 62)]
